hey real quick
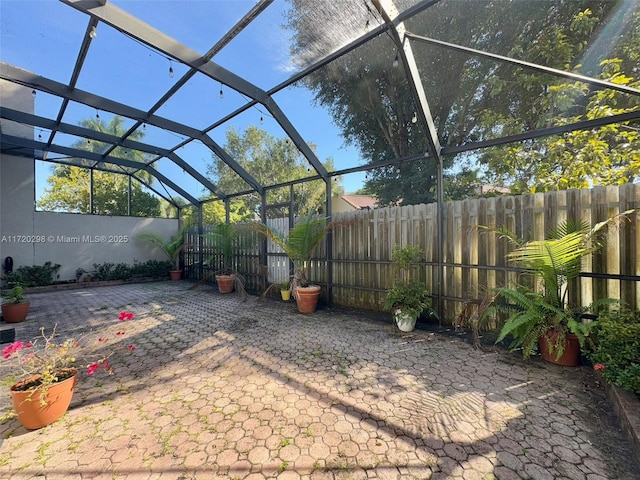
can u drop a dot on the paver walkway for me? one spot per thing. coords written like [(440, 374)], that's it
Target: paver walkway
[(220, 388)]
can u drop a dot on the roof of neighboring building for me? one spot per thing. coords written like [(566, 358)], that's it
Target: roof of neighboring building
[(481, 190), (361, 201)]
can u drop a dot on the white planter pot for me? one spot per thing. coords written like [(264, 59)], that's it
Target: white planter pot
[(405, 321)]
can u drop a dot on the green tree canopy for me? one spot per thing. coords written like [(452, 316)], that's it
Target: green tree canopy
[(608, 155), (473, 98), (270, 161), (69, 187), (213, 213)]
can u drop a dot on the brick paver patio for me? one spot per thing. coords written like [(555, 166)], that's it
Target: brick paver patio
[(220, 388)]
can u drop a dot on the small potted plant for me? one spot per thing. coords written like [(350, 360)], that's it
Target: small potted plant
[(171, 248), (285, 291), (406, 298), (14, 306), (227, 240), (45, 371)]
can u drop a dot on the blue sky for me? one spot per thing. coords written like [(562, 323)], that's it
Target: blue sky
[(44, 36)]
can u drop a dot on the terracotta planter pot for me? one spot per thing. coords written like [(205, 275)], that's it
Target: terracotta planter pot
[(15, 312), (175, 274), (225, 283), (307, 298), (31, 413), (570, 356)]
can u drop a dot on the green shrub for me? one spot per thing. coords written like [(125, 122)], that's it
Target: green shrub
[(411, 297), (121, 271), (33, 276), (152, 268), (615, 348), (111, 271), (102, 271), (15, 295)]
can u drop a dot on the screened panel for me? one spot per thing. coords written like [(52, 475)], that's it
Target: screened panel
[(321, 131), (322, 27), (198, 25), (96, 119), (268, 44), (579, 159), (198, 102), (73, 141), (258, 143), (31, 40), (159, 137), (137, 79), (179, 176), (564, 35), (355, 110), (71, 161), (46, 105)]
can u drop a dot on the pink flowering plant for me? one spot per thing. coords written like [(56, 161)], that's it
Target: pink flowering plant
[(44, 361)]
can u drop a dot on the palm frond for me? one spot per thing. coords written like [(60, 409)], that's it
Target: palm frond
[(171, 247), (567, 227), (299, 243), (553, 255), (305, 237), (272, 234), (221, 236), (529, 315), (556, 262), (155, 239), (503, 232), (228, 239)]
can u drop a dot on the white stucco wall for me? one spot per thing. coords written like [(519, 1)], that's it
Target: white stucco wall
[(78, 241), (71, 240), (17, 192)]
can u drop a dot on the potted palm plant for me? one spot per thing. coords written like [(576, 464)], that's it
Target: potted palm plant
[(537, 308), (299, 245), (171, 248), (227, 240), (14, 306), (406, 298)]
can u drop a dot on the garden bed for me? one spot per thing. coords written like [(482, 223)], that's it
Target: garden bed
[(71, 285)]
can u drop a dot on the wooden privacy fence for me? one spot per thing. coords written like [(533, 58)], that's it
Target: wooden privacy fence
[(202, 260), (473, 260)]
